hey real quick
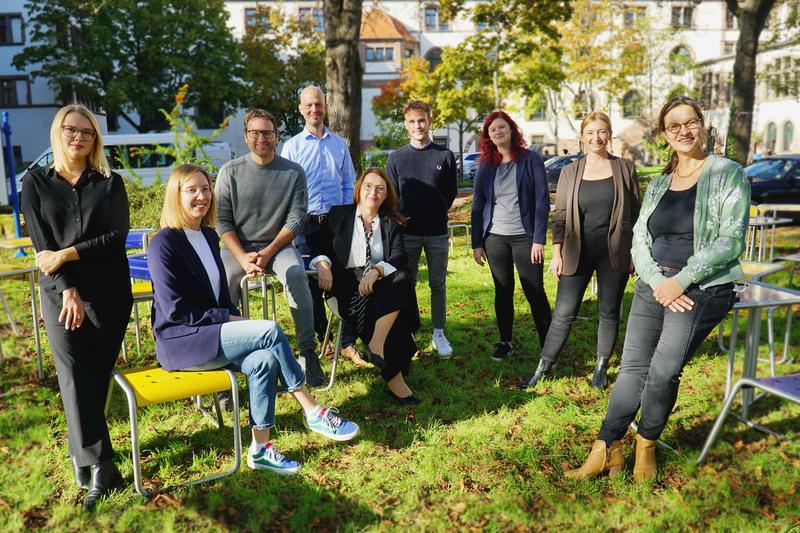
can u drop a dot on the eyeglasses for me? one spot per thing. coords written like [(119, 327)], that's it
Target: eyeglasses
[(379, 189), (691, 124), (192, 191), (255, 134), (71, 132)]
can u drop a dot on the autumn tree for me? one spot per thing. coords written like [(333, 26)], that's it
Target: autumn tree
[(282, 56), (752, 17), (343, 70), (130, 57)]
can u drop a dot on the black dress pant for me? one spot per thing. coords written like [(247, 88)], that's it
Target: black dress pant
[(84, 359), (504, 252), (390, 294), (610, 290), (658, 345)]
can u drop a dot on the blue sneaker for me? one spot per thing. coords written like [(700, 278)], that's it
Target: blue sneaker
[(269, 458), (328, 424)]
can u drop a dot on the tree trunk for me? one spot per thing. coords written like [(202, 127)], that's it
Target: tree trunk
[(343, 71), (752, 16)]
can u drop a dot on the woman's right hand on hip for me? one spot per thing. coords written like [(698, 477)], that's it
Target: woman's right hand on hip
[(479, 254), (72, 310)]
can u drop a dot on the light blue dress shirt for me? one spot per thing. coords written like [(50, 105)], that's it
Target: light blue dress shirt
[(329, 170)]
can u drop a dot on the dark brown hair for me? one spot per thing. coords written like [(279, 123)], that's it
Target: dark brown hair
[(417, 105), (389, 207), (674, 102), (257, 112)]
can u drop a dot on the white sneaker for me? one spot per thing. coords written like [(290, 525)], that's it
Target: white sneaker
[(441, 344)]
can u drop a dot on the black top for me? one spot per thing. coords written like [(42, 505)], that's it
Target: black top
[(92, 216), (672, 228), (595, 202), (427, 184)]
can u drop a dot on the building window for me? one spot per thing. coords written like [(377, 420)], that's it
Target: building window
[(433, 21), (783, 77), (706, 88), (680, 59), (631, 15), (787, 137), (11, 28), (256, 16), (731, 22), (682, 17), (729, 48), (772, 135), (434, 57), (632, 104), (14, 92), (313, 15), (379, 54)]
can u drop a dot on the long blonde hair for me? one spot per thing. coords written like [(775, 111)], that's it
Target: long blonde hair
[(174, 215), (96, 160)]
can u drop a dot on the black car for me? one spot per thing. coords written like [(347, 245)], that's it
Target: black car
[(775, 180), (553, 168)]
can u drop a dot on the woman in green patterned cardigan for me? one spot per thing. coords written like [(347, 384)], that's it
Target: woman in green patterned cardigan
[(686, 247)]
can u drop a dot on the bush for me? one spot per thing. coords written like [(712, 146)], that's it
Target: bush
[(145, 204)]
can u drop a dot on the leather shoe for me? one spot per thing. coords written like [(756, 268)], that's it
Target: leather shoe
[(105, 477), (542, 371), (352, 354), (83, 475), (375, 360), (411, 399)]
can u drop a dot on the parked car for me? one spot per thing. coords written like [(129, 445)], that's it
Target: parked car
[(470, 160), (135, 151), (775, 180), (553, 168)]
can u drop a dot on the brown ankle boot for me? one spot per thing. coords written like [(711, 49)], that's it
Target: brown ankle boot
[(644, 468), (600, 459)]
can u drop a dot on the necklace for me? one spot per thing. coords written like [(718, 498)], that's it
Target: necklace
[(688, 174)]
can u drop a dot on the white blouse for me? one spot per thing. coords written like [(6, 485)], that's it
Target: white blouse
[(200, 245), (358, 247)]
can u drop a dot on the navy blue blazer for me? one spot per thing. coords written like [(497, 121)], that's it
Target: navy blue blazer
[(534, 199), (186, 316)]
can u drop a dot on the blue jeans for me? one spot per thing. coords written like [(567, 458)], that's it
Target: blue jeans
[(260, 350)]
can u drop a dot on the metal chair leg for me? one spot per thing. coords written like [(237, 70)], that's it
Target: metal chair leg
[(136, 328), (720, 420), (336, 351), (9, 315), (787, 337)]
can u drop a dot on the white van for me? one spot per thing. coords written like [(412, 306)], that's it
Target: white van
[(137, 150)]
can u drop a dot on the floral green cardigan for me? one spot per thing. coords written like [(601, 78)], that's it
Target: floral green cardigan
[(721, 213)]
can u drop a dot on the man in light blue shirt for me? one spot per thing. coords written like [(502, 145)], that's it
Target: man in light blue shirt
[(330, 176)]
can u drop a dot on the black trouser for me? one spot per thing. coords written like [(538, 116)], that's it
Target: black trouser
[(504, 252), (610, 290), (84, 359), (658, 344), (312, 227)]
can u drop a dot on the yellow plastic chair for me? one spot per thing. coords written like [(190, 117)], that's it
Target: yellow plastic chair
[(153, 385)]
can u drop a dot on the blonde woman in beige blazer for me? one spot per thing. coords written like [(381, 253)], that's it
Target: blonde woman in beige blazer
[(597, 203)]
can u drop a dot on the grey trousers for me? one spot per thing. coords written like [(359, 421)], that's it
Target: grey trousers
[(288, 266), (437, 250), (658, 345)]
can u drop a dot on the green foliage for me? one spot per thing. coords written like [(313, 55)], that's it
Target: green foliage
[(391, 135), (131, 56), (659, 147), (282, 55)]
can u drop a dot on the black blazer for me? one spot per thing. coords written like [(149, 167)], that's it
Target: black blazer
[(335, 240), (186, 316)]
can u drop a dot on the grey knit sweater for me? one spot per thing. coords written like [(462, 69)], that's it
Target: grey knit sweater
[(257, 201)]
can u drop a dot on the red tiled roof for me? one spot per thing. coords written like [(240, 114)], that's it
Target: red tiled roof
[(378, 25)]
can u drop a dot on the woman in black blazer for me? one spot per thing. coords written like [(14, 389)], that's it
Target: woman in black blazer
[(361, 262), (76, 211)]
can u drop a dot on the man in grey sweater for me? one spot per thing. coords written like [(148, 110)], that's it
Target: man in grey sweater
[(261, 205)]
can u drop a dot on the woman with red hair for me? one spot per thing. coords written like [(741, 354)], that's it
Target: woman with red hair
[(509, 224)]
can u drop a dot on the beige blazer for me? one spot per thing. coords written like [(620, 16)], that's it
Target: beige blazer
[(566, 215)]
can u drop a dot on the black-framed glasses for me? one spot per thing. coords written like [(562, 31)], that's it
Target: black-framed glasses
[(72, 132), (690, 124), (255, 134)]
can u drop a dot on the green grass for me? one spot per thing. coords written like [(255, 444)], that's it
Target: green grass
[(476, 455)]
